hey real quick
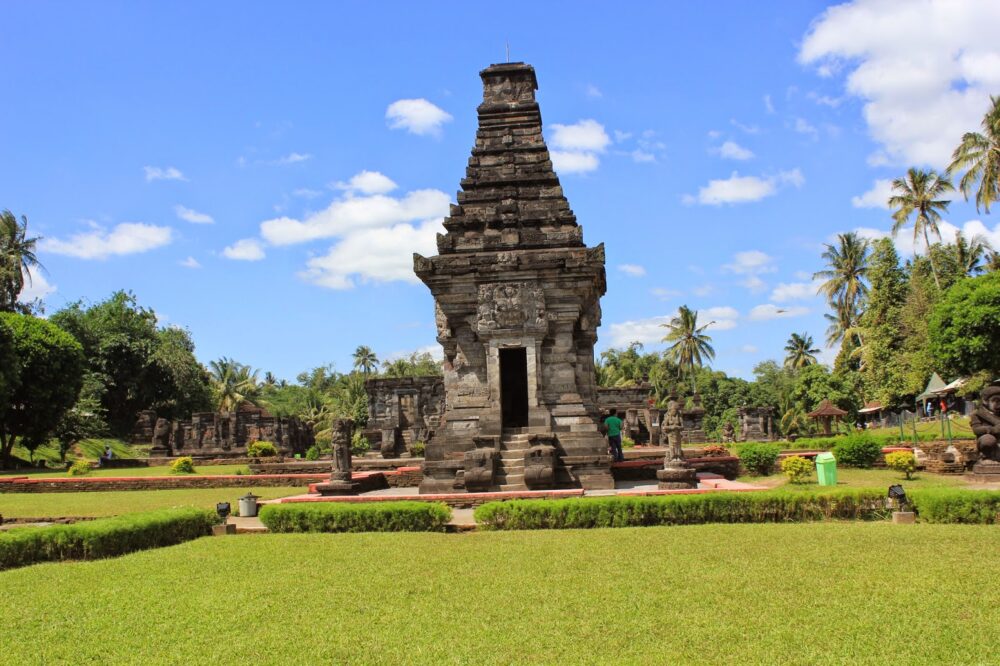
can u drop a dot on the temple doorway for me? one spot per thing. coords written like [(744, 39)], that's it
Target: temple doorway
[(514, 387)]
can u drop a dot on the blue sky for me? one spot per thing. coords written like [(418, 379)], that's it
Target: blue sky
[(260, 173)]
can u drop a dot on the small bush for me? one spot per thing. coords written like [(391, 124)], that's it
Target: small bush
[(759, 458), (342, 517), (977, 507), (80, 468), (628, 442), (183, 465), (261, 450), (902, 461), (359, 444), (417, 449), (313, 452), (715, 451), (107, 537), (797, 469), (860, 450)]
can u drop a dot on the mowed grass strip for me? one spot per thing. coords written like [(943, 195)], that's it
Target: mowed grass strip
[(157, 470), (117, 502), (809, 593)]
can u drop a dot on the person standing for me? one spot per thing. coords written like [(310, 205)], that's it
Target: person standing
[(614, 426)]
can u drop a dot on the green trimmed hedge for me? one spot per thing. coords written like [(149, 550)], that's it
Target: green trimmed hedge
[(695, 509), (106, 537), (349, 517), (945, 505)]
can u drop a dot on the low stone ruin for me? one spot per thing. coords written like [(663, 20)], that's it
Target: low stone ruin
[(640, 419), (756, 424), (403, 411)]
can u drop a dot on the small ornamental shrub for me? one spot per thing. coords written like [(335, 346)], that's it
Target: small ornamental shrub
[(715, 451), (261, 450), (975, 507), (183, 465), (859, 450), (359, 444), (797, 469), (902, 461), (313, 452), (628, 442), (759, 458), (417, 449), (80, 468), (369, 517)]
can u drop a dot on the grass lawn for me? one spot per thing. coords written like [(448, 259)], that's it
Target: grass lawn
[(865, 478), (113, 503), (769, 594), (159, 470)]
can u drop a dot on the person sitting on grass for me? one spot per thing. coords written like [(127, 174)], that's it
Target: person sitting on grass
[(614, 426)]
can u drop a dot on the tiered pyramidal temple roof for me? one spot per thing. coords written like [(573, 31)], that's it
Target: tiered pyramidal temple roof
[(511, 197)]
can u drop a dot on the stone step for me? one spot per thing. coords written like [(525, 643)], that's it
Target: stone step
[(509, 478), (512, 487), (513, 454)]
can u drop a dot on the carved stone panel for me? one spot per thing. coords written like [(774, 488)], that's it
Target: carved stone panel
[(511, 305)]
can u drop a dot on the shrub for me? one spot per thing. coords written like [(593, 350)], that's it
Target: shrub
[(902, 461), (261, 450), (342, 517), (756, 507), (715, 451), (359, 444), (759, 458), (107, 537), (979, 507), (859, 450), (80, 468), (417, 449), (797, 469), (628, 442), (313, 452), (183, 465)]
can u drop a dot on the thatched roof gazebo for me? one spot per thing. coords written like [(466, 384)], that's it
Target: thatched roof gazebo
[(826, 413)]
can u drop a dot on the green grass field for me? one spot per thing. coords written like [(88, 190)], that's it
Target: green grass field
[(865, 478), (159, 470), (768, 594), (113, 503)]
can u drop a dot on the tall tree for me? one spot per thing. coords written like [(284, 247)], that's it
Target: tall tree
[(691, 345), (969, 253), (17, 259), (365, 360), (846, 271), (918, 194), (799, 351), (881, 370), (234, 384), (979, 155)]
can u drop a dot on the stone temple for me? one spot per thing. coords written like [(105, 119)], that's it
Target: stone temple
[(517, 306)]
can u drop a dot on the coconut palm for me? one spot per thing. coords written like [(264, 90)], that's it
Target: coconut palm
[(234, 384), (691, 346), (969, 253), (992, 261), (979, 155), (919, 194), (847, 268), (843, 319), (365, 360), (17, 258), (800, 351)]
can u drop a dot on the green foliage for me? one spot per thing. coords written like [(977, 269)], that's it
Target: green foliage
[(628, 442), (262, 450), (359, 444), (80, 468), (902, 461), (49, 370), (977, 507), (84, 420), (756, 507), (343, 517), (417, 364), (964, 327), (17, 259), (797, 469), (759, 457), (313, 452), (103, 538), (417, 449), (182, 465), (857, 450), (9, 367), (691, 347)]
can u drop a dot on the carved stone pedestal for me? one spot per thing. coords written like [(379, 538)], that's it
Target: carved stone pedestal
[(338, 486), (985, 471), (677, 474)]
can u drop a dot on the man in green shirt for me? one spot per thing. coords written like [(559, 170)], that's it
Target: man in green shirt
[(614, 426)]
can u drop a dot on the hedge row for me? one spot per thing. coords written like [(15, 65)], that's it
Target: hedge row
[(755, 507), (106, 537), (344, 517), (977, 507)]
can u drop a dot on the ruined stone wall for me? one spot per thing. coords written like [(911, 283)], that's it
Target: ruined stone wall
[(403, 411), (227, 434)]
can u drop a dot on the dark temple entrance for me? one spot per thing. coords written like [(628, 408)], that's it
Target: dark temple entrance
[(514, 387)]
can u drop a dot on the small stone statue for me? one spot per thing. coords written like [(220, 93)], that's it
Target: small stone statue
[(985, 423), (342, 431), (676, 473), (670, 430), (728, 433), (161, 437)]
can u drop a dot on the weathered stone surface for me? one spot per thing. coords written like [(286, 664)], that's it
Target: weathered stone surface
[(985, 422), (226, 433), (756, 424), (403, 410)]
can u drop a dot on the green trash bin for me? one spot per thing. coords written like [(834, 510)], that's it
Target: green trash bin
[(826, 469)]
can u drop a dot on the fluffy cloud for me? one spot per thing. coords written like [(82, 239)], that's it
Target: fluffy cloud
[(919, 96), (368, 182), (751, 264), (730, 150), (803, 126), (906, 244), (640, 156), (594, 91), (665, 294), (743, 189), (306, 193), (650, 331), (876, 197), (632, 269), (719, 318), (291, 158), (192, 216), (575, 148), (248, 249), (794, 291), (161, 173), (35, 286), (99, 243), (770, 311), (190, 262), (768, 104), (565, 162), (416, 116)]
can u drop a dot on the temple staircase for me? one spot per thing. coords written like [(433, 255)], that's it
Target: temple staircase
[(510, 472)]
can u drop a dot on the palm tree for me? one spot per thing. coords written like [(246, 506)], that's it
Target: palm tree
[(690, 343), (847, 268), (365, 360), (800, 351), (992, 261), (17, 258), (234, 384), (970, 252), (979, 154), (920, 193), (843, 319)]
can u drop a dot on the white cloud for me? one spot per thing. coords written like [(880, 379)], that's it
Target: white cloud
[(748, 349), (190, 262), (632, 269), (825, 100), (876, 197), (752, 264), (730, 150), (749, 129), (594, 92), (722, 318), (98, 243), (35, 286), (768, 104), (703, 290), (743, 189), (291, 158), (306, 193), (622, 136), (416, 116), (368, 182), (919, 96), (159, 173), (795, 291), (585, 135), (565, 162), (640, 156), (803, 126), (770, 311), (650, 331), (905, 244), (193, 216), (665, 294), (247, 249)]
